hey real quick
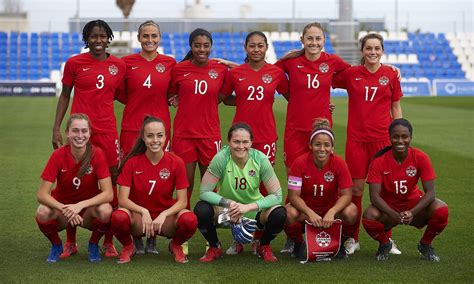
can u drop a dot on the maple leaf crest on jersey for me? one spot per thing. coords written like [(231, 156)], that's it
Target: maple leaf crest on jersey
[(323, 67), (329, 176), (164, 173), (213, 74), (383, 80), (267, 78), (113, 70), (160, 67), (411, 171)]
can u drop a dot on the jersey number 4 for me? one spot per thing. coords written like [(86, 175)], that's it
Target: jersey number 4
[(147, 82)]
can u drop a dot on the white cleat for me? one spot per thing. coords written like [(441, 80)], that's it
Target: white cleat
[(394, 249), (352, 246), (234, 249)]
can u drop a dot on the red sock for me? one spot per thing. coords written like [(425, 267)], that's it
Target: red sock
[(98, 230), (186, 226), (436, 224), (354, 229), (109, 237), (347, 231), (295, 231), (50, 230), (120, 226), (71, 234), (257, 235), (375, 229)]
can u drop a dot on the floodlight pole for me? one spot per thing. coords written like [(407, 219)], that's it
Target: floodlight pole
[(396, 15)]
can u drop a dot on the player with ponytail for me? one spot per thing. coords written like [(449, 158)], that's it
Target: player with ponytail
[(148, 179), (82, 193)]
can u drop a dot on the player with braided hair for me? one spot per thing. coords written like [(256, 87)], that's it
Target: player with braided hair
[(95, 77), (196, 81)]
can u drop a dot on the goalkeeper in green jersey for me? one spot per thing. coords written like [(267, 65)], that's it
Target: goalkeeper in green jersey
[(236, 171)]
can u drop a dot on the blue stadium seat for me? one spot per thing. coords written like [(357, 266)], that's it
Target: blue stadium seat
[(45, 73), (34, 74), (12, 75)]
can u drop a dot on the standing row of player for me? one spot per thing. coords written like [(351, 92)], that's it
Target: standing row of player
[(200, 83)]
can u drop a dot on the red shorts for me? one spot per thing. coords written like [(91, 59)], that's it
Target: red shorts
[(201, 150), (296, 143), (268, 148), (359, 155), (128, 139), (109, 143), (406, 204)]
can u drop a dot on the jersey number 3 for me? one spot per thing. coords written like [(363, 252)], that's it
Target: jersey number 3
[(100, 81)]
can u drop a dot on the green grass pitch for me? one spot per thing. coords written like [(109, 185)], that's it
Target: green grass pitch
[(443, 127)]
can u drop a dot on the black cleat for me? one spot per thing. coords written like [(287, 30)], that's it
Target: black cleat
[(383, 251), (299, 251), (342, 253), (428, 253)]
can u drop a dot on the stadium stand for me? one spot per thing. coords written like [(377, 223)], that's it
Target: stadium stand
[(428, 56), (33, 56)]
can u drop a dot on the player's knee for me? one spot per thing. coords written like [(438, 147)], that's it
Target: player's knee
[(204, 213), (277, 219), (350, 214), (44, 213), (371, 213), (104, 211), (440, 215), (119, 222), (188, 222), (291, 214)]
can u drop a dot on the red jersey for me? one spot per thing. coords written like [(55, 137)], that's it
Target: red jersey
[(152, 186), (146, 86), (198, 91), (95, 83), (399, 181), (310, 85), (255, 94), (370, 101), (320, 188), (62, 169)]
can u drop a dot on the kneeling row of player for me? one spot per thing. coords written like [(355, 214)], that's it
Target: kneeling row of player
[(319, 191)]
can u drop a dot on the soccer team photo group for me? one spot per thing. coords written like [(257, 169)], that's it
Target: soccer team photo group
[(205, 166)]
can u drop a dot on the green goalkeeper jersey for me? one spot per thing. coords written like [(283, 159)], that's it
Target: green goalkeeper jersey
[(242, 184)]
